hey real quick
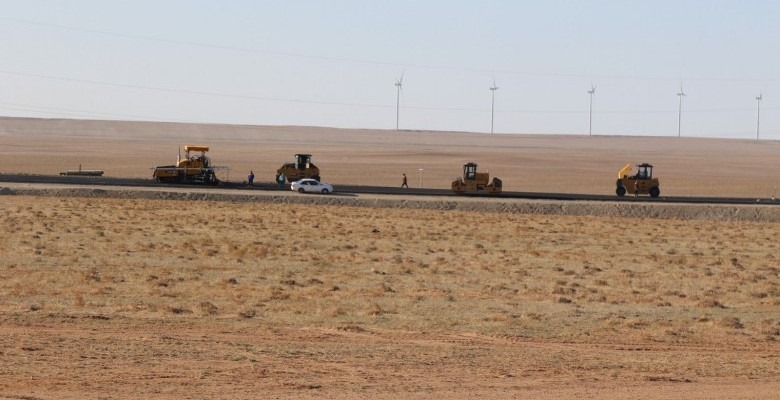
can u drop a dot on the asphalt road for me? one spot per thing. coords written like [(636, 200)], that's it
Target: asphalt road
[(126, 182)]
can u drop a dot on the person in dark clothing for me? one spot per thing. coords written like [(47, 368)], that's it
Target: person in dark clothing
[(250, 178), (403, 182)]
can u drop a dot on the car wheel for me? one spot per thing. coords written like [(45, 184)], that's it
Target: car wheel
[(621, 191), (301, 190), (324, 191)]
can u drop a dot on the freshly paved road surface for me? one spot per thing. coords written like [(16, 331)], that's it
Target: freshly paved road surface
[(127, 182)]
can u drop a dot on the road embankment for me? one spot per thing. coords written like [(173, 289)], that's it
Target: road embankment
[(633, 210)]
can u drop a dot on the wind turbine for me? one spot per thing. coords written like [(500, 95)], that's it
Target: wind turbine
[(590, 113), (679, 110), (758, 113), (398, 84), (492, 104)]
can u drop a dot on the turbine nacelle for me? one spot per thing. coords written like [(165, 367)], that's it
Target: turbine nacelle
[(681, 92), (400, 81)]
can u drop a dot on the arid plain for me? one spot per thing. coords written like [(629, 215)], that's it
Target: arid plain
[(169, 299)]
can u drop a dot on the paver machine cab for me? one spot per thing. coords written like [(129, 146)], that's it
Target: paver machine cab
[(641, 183), (195, 167), (473, 181), (300, 169)]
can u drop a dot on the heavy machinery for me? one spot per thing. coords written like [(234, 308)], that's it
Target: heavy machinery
[(473, 181), (641, 183), (195, 167), (300, 169)]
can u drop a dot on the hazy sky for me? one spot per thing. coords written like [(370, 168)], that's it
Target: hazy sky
[(335, 63)]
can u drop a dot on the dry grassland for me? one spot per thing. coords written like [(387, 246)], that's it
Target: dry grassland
[(163, 299), (112, 298)]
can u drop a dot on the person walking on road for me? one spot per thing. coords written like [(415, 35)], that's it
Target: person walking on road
[(403, 182), (250, 179)]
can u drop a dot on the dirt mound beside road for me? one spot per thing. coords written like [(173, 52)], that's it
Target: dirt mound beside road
[(714, 212)]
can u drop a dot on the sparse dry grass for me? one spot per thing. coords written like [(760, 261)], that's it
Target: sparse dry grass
[(581, 277), (396, 273)]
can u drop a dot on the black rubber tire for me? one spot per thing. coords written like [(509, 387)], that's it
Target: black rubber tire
[(301, 190), (654, 191), (620, 191), (325, 191)]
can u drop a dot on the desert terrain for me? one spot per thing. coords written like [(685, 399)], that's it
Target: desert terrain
[(527, 163), (125, 295)]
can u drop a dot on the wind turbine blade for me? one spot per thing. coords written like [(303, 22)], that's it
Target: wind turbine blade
[(400, 81)]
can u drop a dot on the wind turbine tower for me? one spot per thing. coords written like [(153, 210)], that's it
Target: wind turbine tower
[(492, 104), (679, 110), (758, 113), (398, 84), (590, 112)]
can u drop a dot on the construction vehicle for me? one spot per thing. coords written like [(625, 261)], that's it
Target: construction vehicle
[(473, 181), (195, 167), (641, 183), (300, 169)]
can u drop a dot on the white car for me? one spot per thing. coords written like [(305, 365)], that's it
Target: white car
[(311, 186)]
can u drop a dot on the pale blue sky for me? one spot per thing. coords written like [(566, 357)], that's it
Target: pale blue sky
[(334, 63)]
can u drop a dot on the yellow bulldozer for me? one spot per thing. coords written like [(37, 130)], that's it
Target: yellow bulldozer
[(473, 181), (640, 183), (195, 167), (300, 169)]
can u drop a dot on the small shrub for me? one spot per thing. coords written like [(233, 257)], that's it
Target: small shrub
[(732, 322), (709, 303), (208, 308)]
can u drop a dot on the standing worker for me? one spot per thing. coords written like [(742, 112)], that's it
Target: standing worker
[(403, 182), (636, 187), (250, 178)]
